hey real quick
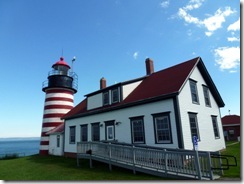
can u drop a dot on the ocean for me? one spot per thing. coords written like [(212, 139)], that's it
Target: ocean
[(21, 146)]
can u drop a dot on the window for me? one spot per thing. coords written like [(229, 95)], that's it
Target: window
[(206, 96), (215, 126), (58, 141), (95, 132), (115, 95), (72, 135), (162, 128), (83, 133), (137, 130), (194, 95), (106, 98), (194, 125)]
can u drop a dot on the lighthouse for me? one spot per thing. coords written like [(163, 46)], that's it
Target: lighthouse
[(60, 87)]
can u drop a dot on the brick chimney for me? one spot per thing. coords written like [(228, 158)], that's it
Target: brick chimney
[(149, 66), (102, 83)]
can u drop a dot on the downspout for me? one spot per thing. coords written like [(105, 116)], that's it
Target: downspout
[(178, 123), (64, 138)]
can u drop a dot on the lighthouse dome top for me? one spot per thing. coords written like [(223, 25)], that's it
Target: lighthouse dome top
[(61, 62)]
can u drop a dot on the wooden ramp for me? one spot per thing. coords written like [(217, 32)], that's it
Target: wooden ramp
[(174, 163)]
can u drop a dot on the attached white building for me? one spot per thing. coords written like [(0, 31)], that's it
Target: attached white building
[(164, 109), (56, 141)]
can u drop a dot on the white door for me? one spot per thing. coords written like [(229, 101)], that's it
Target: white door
[(110, 132)]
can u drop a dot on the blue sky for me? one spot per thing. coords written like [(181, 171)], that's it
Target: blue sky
[(111, 39)]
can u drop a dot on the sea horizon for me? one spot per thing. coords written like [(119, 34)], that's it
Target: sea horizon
[(23, 146), (19, 138)]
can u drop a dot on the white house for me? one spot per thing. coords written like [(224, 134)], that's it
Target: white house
[(56, 141), (164, 109)]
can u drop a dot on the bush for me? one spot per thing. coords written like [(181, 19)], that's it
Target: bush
[(10, 156)]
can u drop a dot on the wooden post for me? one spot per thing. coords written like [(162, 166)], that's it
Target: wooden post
[(221, 171), (77, 160), (90, 161), (165, 160), (210, 166), (110, 154), (197, 163), (134, 159), (91, 155)]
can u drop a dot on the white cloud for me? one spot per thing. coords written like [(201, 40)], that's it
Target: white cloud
[(233, 39), (211, 23), (235, 26), (208, 33), (215, 22), (194, 4), (187, 17), (164, 4), (228, 58), (135, 55)]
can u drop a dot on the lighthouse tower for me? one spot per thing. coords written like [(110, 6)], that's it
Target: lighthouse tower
[(59, 88)]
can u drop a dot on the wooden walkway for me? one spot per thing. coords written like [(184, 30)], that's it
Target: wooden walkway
[(174, 163)]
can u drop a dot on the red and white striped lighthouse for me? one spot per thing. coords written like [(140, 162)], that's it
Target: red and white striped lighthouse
[(59, 88)]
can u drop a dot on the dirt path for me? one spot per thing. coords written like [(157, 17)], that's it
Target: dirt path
[(232, 143)]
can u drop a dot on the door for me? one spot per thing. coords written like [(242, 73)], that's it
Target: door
[(110, 132)]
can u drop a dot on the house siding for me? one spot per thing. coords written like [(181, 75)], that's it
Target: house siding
[(95, 101), (204, 118), (53, 149), (128, 88), (123, 130)]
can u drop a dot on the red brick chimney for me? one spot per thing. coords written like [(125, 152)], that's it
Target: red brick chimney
[(102, 83), (149, 66)]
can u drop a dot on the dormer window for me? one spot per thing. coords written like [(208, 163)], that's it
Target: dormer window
[(115, 95), (106, 98)]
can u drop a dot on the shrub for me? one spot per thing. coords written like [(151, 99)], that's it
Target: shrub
[(10, 156)]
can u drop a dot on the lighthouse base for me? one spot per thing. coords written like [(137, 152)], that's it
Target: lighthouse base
[(43, 152)]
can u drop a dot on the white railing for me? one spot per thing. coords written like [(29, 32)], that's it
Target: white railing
[(181, 163)]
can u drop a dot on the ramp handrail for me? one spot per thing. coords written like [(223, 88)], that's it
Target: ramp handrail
[(188, 163)]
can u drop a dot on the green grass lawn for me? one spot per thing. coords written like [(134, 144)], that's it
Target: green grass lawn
[(59, 168), (233, 149)]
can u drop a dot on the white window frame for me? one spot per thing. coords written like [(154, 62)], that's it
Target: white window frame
[(166, 130), (215, 127), (194, 92), (72, 134), (81, 133), (133, 122), (206, 96), (196, 128), (106, 98), (113, 95)]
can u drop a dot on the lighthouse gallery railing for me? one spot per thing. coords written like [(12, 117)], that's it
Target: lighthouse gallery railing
[(57, 72)]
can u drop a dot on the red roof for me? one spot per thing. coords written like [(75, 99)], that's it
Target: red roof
[(61, 62), (231, 120), (162, 84), (81, 107), (58, 129)]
